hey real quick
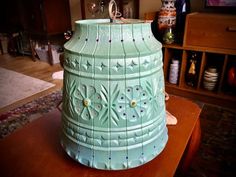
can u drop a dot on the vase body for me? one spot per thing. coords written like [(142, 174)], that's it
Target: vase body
[(167, 15), (174, 72), (210, 78), (231, 79), (113, 114)]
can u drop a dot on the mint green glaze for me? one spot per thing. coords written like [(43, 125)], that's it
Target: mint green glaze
[(113, 97)]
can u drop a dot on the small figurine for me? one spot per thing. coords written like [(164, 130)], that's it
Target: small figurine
[(191, 75)]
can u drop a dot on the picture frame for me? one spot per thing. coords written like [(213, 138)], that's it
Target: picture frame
[(123, 5), (220, 3)]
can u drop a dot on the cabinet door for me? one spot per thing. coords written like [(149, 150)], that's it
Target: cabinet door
[(34, 10), (210, 30), (57, 16), (48, 16)]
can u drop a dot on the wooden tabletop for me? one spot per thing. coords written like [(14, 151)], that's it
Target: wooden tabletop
[(35, 150)]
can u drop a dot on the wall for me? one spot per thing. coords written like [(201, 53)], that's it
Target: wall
[(155, 5), (199, 6), (75, 11), (148, 6), (145, 6)]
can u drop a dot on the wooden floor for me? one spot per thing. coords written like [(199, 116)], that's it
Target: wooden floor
[(37, 69)]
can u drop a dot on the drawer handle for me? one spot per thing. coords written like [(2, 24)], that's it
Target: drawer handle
[(231, 29)]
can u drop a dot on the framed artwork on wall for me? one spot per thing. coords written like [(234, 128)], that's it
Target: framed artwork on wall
[(220, 3), (99, 8)]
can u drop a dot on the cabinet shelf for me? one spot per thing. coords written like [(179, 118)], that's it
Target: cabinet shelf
[(220, 92), (200, 48)]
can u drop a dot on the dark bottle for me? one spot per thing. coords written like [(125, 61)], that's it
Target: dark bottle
[(182, 9), (191, 75)]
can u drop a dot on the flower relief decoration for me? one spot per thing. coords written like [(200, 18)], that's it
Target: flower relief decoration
[(133, 103), (87, 102), (82, 100)]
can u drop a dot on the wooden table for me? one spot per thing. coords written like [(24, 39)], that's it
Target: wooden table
[(35, 150)]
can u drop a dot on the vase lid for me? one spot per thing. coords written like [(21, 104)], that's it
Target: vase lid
[(108, 22)]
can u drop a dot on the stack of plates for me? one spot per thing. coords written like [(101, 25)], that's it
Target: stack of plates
[(210, 78), (174, 72)]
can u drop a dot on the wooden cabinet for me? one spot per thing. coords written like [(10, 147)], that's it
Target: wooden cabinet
[(210, 30), (38, 20), (36, 16), (46, 21), (48, 17), (221, 57)]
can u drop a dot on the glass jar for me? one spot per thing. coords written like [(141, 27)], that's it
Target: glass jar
[(168, 36)]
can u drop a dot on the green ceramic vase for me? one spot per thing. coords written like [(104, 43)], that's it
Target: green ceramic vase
[(113, 114)]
